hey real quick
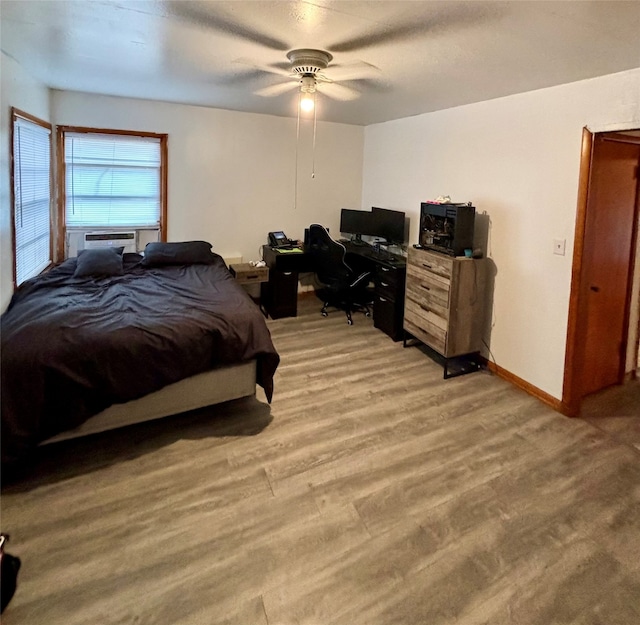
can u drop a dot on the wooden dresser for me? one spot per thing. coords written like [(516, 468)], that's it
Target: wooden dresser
[(444, 304)]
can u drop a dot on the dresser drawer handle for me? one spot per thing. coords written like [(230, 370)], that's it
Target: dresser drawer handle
[(383, 284), (427, 266), (426, 288), (385, 269), (382, 299), (425, 308), (287, 273)]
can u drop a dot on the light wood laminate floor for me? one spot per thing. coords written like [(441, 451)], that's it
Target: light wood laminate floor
[(371, 492)]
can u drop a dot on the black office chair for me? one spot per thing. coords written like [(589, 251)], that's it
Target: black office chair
[(344, 288)]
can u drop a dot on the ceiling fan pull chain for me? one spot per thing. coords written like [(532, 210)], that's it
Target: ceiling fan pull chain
[(295, 183), (315, 119)]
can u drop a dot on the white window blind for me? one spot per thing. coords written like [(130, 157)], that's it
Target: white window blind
[(32, 197), (112, 180)]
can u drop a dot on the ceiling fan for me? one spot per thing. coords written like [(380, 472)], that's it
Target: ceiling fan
[(310, 68)]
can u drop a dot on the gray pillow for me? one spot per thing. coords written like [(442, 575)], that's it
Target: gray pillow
[(182, 253), (104, 261)]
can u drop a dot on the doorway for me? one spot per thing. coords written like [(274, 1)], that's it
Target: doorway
[(601, 313)]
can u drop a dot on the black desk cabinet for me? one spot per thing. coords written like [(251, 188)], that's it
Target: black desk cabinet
[(279, 296), (388, 306)]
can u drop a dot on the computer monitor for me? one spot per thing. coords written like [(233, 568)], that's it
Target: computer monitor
[(356, 222), (389, 224)]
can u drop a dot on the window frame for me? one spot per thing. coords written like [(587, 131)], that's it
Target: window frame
[(61, 169), (15, 114)]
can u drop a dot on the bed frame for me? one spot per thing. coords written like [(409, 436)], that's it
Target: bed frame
[(205, 389)]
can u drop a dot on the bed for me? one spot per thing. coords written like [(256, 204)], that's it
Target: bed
[(89, 344)]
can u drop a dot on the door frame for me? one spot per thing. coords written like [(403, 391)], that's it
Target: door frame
[(572, 393)]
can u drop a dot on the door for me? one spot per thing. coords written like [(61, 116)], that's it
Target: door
[(606, 274)]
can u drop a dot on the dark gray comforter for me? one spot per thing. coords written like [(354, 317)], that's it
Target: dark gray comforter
[(73, 346)]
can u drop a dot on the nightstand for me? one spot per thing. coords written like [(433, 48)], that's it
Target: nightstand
[(247, 275)]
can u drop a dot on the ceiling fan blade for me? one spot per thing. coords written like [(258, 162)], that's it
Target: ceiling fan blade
[(269, 69), (201, 14), (352, 71), (274, 90), (391, 34), (435, 22), (338, 92), (234, 79)]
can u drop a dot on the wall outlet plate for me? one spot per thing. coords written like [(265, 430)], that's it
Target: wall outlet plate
[(559, 246)]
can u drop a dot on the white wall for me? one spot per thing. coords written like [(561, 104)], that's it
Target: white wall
[(20, 90), (516, 158), (232, 175)]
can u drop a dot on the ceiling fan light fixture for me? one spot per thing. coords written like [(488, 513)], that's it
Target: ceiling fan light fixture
[(308, 84), (307, 103)]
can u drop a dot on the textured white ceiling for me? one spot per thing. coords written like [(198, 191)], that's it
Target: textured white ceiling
[(431, 55)]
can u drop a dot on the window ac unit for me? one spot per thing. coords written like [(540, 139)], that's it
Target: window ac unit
[(93, 240)]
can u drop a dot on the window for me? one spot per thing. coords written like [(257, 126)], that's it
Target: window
[(113, 179), (31, 175)]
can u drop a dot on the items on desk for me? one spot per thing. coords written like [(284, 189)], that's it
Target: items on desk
[(390, 225), (387, 270), (279, 240)]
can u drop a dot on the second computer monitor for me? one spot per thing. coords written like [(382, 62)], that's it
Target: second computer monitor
[(356, 222), (389, 225)]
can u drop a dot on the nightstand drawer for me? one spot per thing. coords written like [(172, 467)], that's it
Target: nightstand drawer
[(245, 273)]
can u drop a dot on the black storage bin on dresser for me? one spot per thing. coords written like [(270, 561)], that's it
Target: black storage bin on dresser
[(447, 228)]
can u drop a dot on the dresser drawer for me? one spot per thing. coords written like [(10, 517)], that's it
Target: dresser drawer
[(435, 340), (423, 315), (424, 276), (429, 295), (431, 262)]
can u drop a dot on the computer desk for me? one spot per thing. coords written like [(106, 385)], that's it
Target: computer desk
[(280, 294)]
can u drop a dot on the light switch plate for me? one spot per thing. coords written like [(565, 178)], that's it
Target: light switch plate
[(559, 246)]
